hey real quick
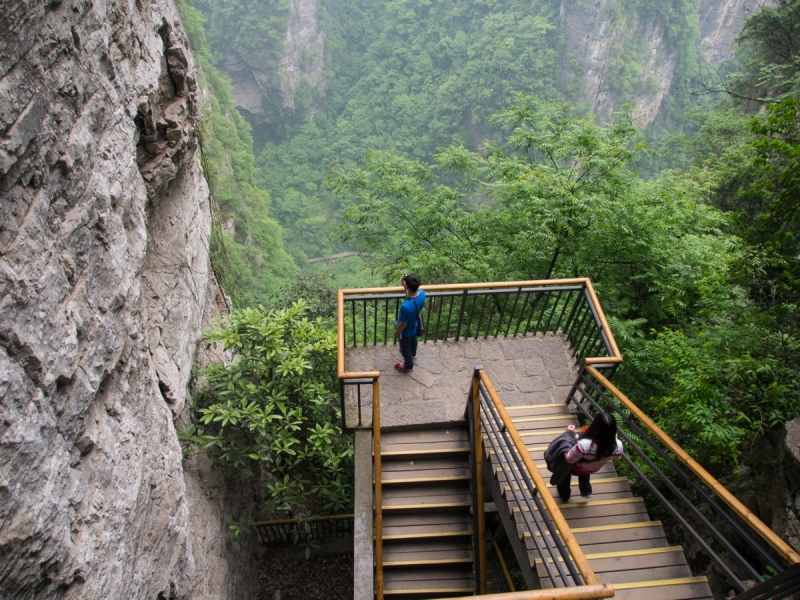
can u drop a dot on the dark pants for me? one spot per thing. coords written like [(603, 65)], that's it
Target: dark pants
[(583, 485), (408, 347)]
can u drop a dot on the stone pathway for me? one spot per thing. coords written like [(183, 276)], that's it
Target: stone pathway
[(524, 370)]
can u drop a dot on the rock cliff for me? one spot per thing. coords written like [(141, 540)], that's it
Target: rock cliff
[(104, 286), (301, 69), (594, 41)]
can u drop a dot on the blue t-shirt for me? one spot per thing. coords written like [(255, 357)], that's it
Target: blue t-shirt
[(408, 313)]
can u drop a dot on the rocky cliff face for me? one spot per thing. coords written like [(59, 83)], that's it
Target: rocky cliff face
[(594, 41), (301, 68), (104, 283)]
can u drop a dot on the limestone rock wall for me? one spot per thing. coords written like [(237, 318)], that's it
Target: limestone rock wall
[(104, 281), (592, 39)]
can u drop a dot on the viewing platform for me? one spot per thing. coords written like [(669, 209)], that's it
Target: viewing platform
[(528, 369)]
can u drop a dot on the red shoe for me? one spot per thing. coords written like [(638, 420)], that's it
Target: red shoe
[(402, 368)]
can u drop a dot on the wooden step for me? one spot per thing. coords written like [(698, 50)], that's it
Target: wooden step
[(629, 566), (531, 410), (433, 450), (432, 551), (609, 538), (432, 582), (427, 524), (684, 588)]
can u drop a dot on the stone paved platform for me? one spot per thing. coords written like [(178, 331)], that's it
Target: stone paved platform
[(524, 370)]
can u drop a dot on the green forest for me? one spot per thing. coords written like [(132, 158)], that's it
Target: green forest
[(448, 141)]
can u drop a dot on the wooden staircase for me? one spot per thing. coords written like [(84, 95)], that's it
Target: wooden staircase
[(623, 546), (427, 523)]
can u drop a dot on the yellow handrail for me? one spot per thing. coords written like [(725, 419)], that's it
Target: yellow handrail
[(585, 592), (769, 536), (581, 562)]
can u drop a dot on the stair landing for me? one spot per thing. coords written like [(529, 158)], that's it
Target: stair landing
[(525, 370)]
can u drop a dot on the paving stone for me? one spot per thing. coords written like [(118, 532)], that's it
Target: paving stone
[(456, 411), (436, 393), (501, 372), (541, 397), (420, 375), (517, 399), (428, 359), (414, 413), (561, 392), (527, 367), (490, 351), (520, 348), (472, 351), (458, 364), (534, 384), (436, 390), (562, 376), (450, 350)]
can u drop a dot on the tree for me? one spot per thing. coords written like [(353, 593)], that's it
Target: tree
[(273, 408)]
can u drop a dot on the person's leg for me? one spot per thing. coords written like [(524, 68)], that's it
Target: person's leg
[(405, 349), (563, 487), (584, 485), (414, 341)]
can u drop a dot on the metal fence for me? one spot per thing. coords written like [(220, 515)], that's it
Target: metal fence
[(292, 531)]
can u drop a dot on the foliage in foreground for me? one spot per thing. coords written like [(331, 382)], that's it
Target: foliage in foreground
[(272, 409)]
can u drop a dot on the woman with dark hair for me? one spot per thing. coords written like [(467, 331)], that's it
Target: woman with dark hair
[(596, 446)]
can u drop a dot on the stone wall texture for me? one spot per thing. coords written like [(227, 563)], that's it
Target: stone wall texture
[(104, 287)]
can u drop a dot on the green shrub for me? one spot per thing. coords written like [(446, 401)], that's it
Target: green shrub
[(273, 408)]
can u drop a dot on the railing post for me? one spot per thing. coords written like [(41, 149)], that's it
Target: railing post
[(461, 313), (480, 520)]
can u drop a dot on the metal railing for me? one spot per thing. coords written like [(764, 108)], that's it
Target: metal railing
[(501, 574), (291, 531), (784, 585), (476, 310), (655, 451), (562, 557)]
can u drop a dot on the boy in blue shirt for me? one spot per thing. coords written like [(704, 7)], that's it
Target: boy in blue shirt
[(408, 321)]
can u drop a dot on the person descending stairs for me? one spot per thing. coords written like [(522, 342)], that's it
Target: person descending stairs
[(623, 546)]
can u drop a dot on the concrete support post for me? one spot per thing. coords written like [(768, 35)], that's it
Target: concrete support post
[(363, 527)]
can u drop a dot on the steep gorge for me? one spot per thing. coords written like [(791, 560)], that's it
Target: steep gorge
[(104, 287)]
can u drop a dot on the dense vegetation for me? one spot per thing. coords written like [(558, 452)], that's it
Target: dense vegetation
[(698, 267), (274, 407), (698, 264)]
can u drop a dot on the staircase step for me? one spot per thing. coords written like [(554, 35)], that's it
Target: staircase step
[(427, 524), (424, 436), (531, 410), (609, 538), (434, 450), (424, 464), (433, 551), (432, 582), (423, 480), (684, 588)]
